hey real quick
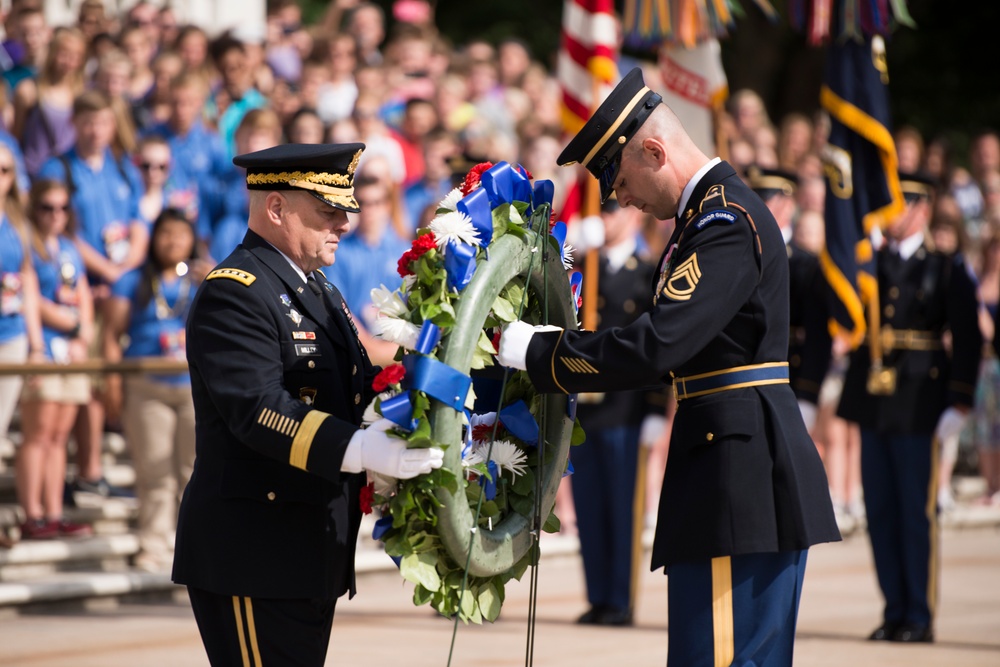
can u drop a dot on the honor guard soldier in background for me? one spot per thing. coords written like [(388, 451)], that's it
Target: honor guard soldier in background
[(269, 521), (809, 341), (744, 493), (608, 489), (908, 391)]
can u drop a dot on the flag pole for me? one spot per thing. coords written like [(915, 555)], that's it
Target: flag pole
[(591, 206)]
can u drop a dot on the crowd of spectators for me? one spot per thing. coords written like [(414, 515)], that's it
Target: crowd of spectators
[(123, 128)]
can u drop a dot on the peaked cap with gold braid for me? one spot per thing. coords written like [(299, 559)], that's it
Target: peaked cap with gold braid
[(326, 171), (598, 145)]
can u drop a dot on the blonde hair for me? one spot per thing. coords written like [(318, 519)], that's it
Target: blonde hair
[(46, 77)]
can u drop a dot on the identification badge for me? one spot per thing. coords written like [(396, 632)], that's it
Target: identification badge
[(307, 350)]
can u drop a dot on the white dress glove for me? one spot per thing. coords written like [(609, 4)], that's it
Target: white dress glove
[(514, 342), (375, 450), (950, 424), (808, 411)]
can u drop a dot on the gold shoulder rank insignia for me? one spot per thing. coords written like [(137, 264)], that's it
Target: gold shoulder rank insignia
[(680, 286), (238, 275), (713, 192)]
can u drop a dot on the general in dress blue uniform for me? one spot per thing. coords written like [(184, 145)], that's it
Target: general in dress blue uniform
[(744, 493), (269, 521), (908, 391)]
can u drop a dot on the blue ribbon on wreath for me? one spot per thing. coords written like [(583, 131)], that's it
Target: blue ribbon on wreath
[(498, 182), (517, 419), (544, 192), (575, 282), (559, 234), (459, 263), (476, 205), (437, 380), (382, 527), (489, 482)]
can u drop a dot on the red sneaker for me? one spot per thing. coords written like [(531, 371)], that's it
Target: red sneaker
[(70, 529), (39, 529)]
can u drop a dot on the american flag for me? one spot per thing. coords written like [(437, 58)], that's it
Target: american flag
[(586, 58)]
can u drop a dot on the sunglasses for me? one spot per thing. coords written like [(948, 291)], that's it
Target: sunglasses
[(51, 208), (153, 166)]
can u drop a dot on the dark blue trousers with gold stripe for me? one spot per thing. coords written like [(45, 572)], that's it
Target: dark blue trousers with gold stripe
[(261, 632), (734, 610), (899, 479)]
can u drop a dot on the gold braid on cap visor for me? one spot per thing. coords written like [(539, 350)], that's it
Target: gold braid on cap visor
[(320, 182)]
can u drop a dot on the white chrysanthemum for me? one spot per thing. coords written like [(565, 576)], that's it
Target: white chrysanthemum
[(454, 226), (371, 416), (451, 200), (388, 303), (474, 456), (508, 456), (567, 258), (397, 331)]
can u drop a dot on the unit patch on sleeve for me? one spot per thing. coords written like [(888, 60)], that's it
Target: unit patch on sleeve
[(682, 282), (712, 216)]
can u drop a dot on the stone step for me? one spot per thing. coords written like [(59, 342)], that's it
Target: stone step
[(40, 559), (120, 474), (61, 587)]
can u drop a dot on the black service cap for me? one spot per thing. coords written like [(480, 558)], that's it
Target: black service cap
[(326, 171)]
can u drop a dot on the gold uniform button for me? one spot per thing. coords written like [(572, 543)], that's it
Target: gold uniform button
[(893, 292), (271, 496), (934, 373), (709, 436), (357, 399), (354, 369), (890, 310), (311, 364)]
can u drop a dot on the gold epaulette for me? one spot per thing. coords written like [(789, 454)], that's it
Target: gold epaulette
[(238, 275)]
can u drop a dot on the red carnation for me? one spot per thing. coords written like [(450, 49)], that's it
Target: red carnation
[(524, 171), (423, 243), (403, 265), (387, 376), (483, 432), (473, 177), (366, 497), (496, 340)]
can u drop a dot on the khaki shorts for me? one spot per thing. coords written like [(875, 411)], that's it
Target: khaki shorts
[(71, 389)]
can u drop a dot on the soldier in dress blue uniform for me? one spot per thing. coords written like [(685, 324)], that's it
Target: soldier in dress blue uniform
[(269, 521), (908, 393), (608, 487), (744, 492), (809, 341)]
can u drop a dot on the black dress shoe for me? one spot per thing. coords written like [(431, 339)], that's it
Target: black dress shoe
[(884, 632), (592, 616), (909, 633), (615, 617)]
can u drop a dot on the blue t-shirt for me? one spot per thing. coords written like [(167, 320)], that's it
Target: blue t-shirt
[(11, 285), (359, 268), (157, 330), (105, 201), (58, 277)]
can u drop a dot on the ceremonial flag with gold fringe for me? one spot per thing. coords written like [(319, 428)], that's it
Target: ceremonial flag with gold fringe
[(861, 166), (651, 23)]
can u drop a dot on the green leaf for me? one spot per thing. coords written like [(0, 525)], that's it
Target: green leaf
[(524, 485), (579, 436), (485, 344), (421, 569), (467, 604), (421, 595), (552, 524), (489, 602), (503, 310)]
